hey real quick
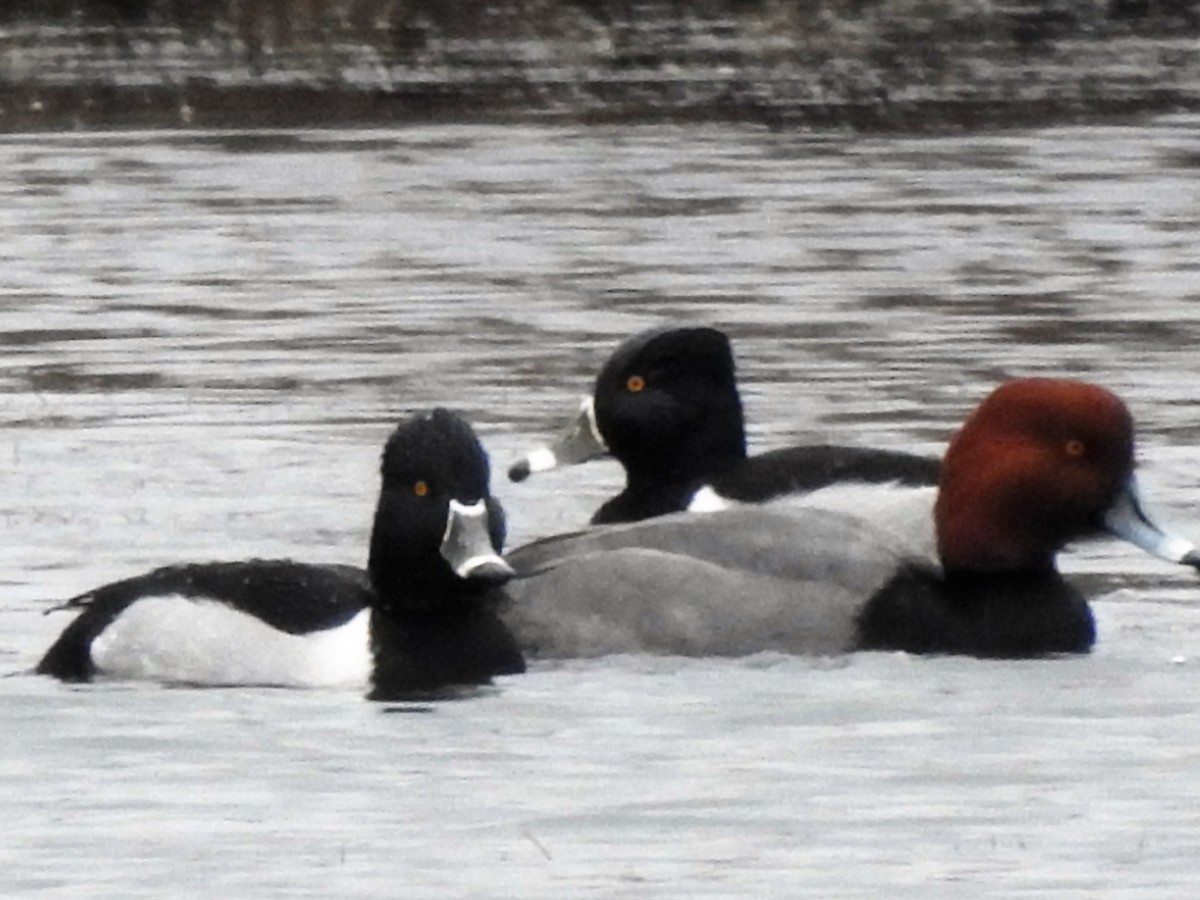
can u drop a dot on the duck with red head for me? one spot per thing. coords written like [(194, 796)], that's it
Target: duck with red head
[(1032, 469), (968, 567)]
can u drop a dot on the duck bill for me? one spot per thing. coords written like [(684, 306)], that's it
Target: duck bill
[(1127, 520), (467, 546), (577, 443)]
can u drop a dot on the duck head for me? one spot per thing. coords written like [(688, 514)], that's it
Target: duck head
[(438, 531), (1042, 462), (669, 397), (666, 399)]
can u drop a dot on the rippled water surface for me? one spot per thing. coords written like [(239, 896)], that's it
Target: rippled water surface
[(206, 338)]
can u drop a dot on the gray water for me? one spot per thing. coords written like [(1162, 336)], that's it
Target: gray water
[(206, 338)]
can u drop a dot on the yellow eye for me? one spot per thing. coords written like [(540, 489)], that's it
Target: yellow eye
[(635, 383), (1075, 448), (420, 489)]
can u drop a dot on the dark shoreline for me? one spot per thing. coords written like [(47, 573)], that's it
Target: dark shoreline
[(873, 71), (56, 108)]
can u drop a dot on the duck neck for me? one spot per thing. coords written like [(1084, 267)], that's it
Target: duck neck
[(710, 449), (402, 588), (418, 653), (989, 518), (677, 469), (970, 546), (646, 497)]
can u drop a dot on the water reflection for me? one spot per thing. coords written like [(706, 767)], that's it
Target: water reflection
[(206, 337)]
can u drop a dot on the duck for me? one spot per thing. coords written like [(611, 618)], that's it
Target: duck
[(421, 619), (967, 567), (666, 406)]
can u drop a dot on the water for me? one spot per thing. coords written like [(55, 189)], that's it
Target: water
[(207, 337)]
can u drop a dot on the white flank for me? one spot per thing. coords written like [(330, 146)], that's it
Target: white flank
[(707, 500), (541, 460), (173, 638)]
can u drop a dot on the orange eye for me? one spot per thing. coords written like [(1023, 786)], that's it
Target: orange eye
[(420, 489), (635, 383), (1075, 448)]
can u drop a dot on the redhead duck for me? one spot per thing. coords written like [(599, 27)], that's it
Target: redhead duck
[(666, 406), (967, 568), (421, 619)]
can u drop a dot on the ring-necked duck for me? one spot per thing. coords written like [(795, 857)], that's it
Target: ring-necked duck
[(420, 619), (666, 406), (968, 567)]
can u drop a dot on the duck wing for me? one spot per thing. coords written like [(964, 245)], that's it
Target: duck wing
[(293, 597), (733, 582)]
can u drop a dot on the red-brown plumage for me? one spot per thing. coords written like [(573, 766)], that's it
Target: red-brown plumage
[(1034, 467)]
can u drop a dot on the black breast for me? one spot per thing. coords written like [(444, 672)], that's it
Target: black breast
[(417, 654), (1023, 614)]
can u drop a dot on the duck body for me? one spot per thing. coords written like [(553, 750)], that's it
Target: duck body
[(666, 405), (191, 622), (765, 477), (420, 619), (965, 568), (800, 581)]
